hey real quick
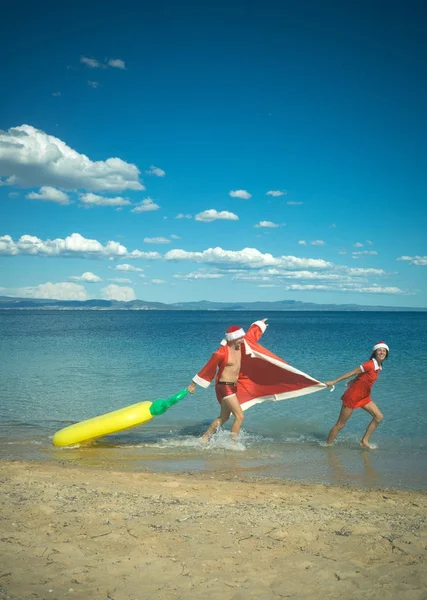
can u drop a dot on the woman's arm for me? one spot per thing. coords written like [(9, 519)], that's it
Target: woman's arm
[(355, 371)]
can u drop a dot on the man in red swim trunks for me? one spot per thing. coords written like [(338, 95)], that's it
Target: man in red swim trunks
[(226, 363)]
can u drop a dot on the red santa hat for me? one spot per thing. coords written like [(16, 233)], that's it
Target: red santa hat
[(380, 345), (233, 333)]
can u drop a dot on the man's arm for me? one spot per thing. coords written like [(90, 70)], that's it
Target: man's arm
[(256, 330), (208, 372)]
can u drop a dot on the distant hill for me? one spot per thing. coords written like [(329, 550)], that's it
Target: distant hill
[(7, 302)]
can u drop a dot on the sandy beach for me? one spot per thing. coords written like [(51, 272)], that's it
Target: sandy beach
[(68, 532)]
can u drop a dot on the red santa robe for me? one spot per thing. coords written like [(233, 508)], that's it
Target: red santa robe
[(263, 375)]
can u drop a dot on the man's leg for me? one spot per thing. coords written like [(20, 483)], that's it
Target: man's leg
[(234, 407), (216, 423), (377, 417), (342, 420)]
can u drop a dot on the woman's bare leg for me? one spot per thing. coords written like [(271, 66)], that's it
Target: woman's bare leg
[(377, 417), (345, 414), (216, 423)]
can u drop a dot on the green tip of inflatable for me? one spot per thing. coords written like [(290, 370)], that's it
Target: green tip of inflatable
[(160, 406)]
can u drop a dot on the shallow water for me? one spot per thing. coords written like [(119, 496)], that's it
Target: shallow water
[(60, 367)]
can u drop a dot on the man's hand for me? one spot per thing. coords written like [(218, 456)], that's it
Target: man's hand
[(192, 387), (330, 383)]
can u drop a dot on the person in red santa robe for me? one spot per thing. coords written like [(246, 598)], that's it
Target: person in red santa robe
[(246, 373)]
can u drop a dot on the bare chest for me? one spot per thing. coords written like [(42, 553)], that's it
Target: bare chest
[(233, 358)]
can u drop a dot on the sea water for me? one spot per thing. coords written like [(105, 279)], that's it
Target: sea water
[(58, 367)]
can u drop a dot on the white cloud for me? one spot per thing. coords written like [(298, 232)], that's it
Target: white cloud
[(333, 225), (156, 171), (198, 275), (56, 94), (302, 243), (30, 157), (342, 251), (250, 258), (240, 194), (145, 255), (49, 194), (127, 267), (182, 216), (267, 224), (211, 214), (175, 237), (369, 242), (96, 200), (13, 194), (328, 288), (146, 205), (358, 245), (118, 292), (364, 272), (365, 253), (156, 240), (88, 277), (415, 260), (122, 279), (117, 63), (376, 289), (158, 281), (276, 193), (296, 287), (93, 84), (268, 285), (52, 291), (268, 274), (293, 203), (73, 245), (93, 63), (317, 243)]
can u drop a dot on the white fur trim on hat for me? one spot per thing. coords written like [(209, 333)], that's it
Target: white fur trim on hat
[(380, 345), (234, 335)]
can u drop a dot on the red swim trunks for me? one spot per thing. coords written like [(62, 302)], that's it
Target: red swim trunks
[(225, 389)]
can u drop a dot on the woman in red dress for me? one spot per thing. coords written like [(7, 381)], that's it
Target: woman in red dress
[(358, 394)]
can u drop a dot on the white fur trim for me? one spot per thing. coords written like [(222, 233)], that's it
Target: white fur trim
[(380, 345), (202, 382), (284, 396), (235, 335), (362, 369), (261, 325), (376, 365)]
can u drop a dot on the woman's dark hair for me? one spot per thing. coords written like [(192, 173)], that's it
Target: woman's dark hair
[(373, 354)]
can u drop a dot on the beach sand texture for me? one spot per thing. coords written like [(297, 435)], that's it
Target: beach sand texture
[(84, 533)]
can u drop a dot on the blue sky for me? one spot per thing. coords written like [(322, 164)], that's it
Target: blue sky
[(214, 151)]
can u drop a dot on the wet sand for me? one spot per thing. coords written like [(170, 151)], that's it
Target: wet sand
[(70, 532)]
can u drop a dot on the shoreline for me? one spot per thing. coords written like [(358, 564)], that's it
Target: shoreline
[(79, 532)]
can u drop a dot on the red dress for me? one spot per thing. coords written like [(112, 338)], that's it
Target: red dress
[(359, 393)]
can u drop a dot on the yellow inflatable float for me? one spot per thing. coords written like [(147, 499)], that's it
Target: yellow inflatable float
[(113, 422)]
